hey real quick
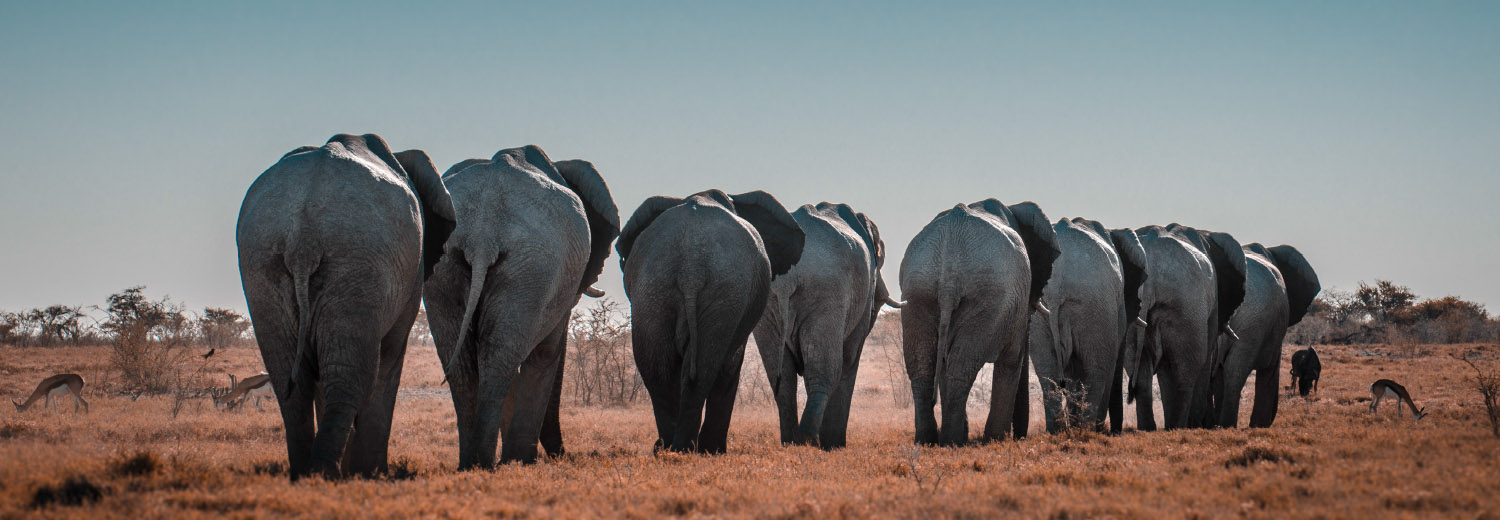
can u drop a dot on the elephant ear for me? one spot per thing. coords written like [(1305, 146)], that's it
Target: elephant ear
[(1041, 243), (1229, 271), (1301, 281), (463, 165), (878, 251), (599, 207), (438, 217), (779, 232), (640, 220), (301, 149), (1133, 266)]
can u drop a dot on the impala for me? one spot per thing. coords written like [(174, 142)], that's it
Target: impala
[(257, 386), (56, 385), (1387, 388)]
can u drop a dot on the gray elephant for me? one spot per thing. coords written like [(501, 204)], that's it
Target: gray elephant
[(1197, 281), (698, 272), (1093, 296), (532, 238), (1279, 288), (334, 244), (817, 318), (969, 278)]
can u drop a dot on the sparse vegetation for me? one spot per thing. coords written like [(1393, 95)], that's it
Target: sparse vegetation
[(206, 462), (600, 365), (1391, 314), (1487, 383)]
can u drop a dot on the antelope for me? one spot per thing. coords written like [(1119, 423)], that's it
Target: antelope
[(1387, 388), (257, 386), (56, 385)]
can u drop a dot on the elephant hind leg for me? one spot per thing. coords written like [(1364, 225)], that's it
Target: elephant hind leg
[(714, 437), (1117, 402), (552, 441), (369, 446), (529, 397), (654, 343), (1021, 423), (835, 431), (919, 321)]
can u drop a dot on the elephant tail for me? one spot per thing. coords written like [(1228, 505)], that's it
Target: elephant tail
[(944, 335), (1062, 348), (481, 268), (301, 274)]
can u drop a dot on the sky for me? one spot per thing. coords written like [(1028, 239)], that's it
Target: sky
[(1366, 134)]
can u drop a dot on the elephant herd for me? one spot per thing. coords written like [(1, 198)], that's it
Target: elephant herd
[(340, 244)]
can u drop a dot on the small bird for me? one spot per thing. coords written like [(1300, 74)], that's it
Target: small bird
[(210, 353)]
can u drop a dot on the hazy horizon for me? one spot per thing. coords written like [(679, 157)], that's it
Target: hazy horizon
[(1365, 134)]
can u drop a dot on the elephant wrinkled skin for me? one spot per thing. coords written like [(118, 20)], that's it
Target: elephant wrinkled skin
[(817, 318), (698, 272), (1279, 287), (532, 237), (968, 279), (334, 244)]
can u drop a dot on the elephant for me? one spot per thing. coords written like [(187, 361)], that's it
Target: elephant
[(817, 318), (334, 245), (698, 272), (1306, 370), (968, 280), (1279, 288), (1093, 295), (532, 238), (1197, 282)]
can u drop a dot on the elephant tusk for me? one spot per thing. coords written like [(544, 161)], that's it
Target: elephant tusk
[(1230, 332), (1041, 308), (1140, 322), (893, 303), (593, 292)]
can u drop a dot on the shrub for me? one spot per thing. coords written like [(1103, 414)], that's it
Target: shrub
[(1487, 383), (75, 491), (600, 365), (149, 341)]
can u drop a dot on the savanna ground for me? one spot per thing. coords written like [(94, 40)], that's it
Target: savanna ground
[(1326, 456)]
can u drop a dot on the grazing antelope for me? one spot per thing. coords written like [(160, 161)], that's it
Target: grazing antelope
[(257, 386), (56, 385), (1387, 388)]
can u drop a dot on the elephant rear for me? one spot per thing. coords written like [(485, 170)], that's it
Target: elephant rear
[(968, 279), (332, 256), (697, 272)]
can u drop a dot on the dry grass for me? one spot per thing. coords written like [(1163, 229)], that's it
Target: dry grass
[(1326, 457)]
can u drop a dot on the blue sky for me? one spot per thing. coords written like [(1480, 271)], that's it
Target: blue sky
[(1367, 134)]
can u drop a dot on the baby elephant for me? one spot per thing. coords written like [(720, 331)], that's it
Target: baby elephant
[(1305, 371)]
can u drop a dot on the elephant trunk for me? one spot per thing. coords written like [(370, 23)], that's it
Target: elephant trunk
[(481, 267)]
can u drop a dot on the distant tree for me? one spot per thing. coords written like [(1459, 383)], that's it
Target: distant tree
[(1384, 300), (8, 323), (58, 323), (221, 328), (148, 340)]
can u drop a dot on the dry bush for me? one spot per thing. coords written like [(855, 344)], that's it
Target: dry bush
[(600, 365), (1487, 383), (885, 337), (149, 343)]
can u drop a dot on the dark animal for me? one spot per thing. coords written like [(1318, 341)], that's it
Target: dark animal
[(1305, 370)]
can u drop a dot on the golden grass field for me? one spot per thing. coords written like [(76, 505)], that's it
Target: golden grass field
[(1327, 456)]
